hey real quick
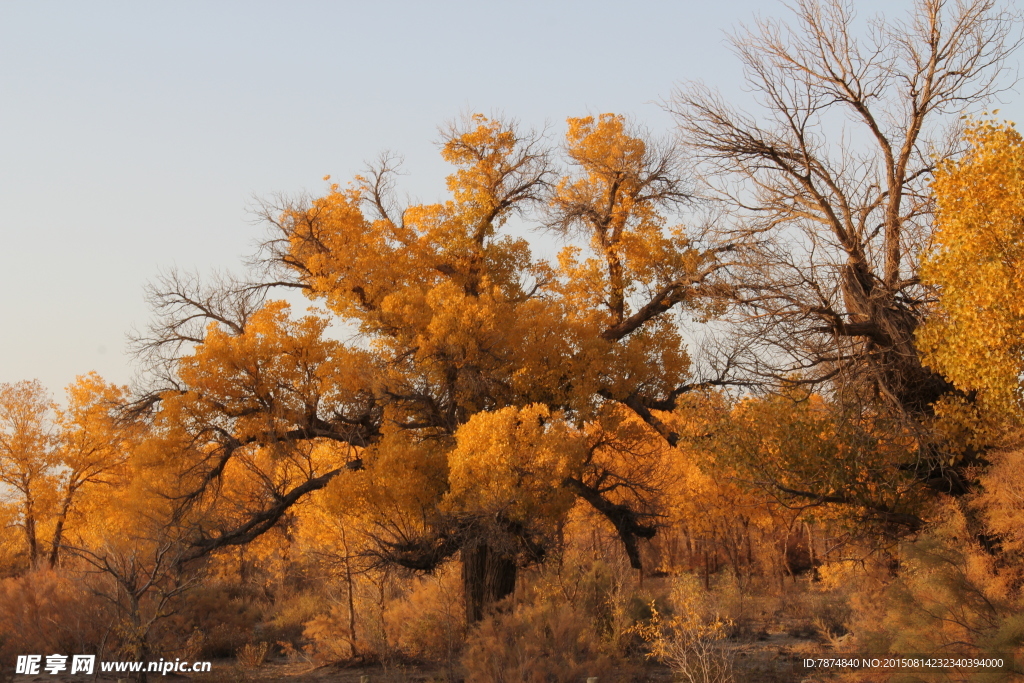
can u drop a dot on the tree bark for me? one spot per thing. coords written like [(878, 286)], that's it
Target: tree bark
[(30, 531), (488, 576)]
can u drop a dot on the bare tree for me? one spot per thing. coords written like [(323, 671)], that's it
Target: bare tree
[(140, 579), (826, 192), (184, 304)]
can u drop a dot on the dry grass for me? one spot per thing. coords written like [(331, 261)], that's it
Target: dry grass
[(252, 655)]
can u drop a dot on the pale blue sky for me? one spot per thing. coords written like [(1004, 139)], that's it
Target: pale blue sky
[(134, 134)]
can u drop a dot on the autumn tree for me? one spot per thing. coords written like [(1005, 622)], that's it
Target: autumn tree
[(27, 456), (132, 552), (798, 445), (487, 390), (49, 456), (93, 445), (826, 197)]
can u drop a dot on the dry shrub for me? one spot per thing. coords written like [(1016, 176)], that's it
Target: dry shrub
[(803, 608), (748, 607), (286, 619), (44, 612), (689, 641), (328, 636), (603, 590), (398, 619), (252, 655), (839, 582), (608, 597), (814, 610), (544, 641), (950, 597), (226, 615), (428, 622), (193, 646)]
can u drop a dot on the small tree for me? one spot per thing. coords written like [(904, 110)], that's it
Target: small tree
[(93, 446), (28, 456)]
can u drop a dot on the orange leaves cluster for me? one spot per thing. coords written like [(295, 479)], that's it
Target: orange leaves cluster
[(802, 452), (978, 264), (268, 378), (513, 461)]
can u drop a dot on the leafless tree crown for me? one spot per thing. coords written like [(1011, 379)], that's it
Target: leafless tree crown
[(826, 190)]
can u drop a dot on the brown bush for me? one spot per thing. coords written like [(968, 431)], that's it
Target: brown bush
[(950, 597), (545, 641), (328, 636), (286, 620), (429, 622), (226, 615), (44, 612), (690, 641), (252, 655)]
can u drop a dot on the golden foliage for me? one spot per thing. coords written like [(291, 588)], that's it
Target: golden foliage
[(689, 641), (977, 261), (950, 597), (512, 461)]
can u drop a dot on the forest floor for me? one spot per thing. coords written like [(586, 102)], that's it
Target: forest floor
[(774, 658)]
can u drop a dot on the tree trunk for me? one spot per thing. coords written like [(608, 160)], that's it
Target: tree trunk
[(351, 598), (30, 533), (488, 576), (58, 530), (140, 648)]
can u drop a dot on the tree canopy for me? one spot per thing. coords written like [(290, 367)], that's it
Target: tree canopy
[(485, 389)]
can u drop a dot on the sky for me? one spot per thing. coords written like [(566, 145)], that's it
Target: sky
[(134, 136)]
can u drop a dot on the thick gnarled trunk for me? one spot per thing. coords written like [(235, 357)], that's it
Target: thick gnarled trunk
[(488, 576)]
